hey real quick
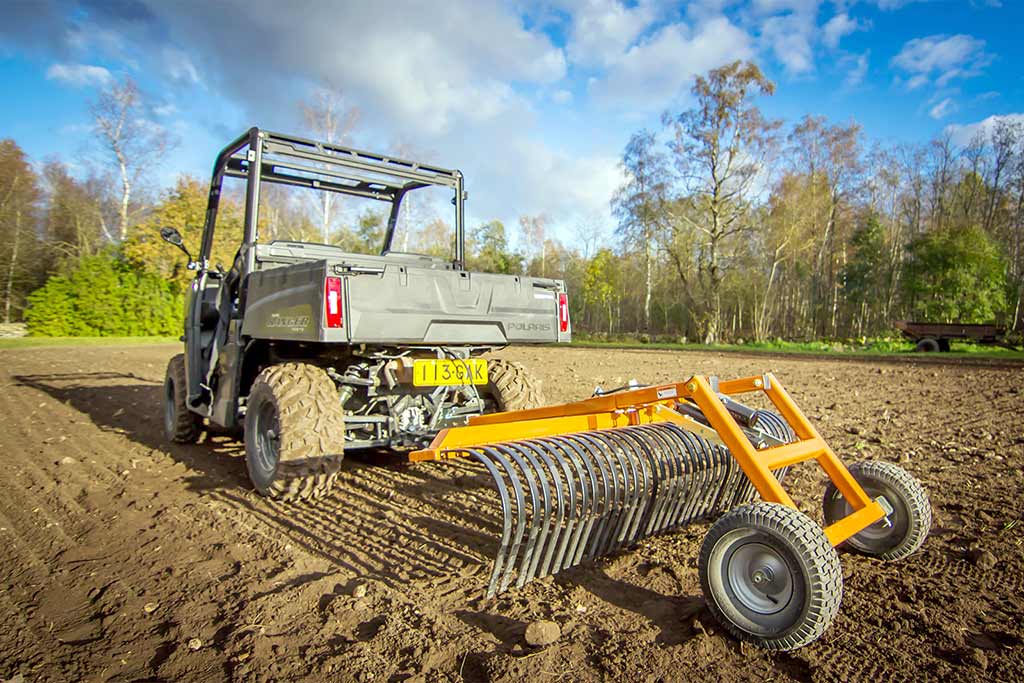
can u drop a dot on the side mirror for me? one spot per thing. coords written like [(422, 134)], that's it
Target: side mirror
[(172, 236)]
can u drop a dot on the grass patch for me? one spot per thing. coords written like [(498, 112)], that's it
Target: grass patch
[(39, 342)]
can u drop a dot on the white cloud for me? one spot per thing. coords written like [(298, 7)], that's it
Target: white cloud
[(79, 75), (441, 64), (789, 29), (941, 57), (651, 73), (603, 29), (963, 134), (942, 108), (855, 76), (836, 28), (561, 97)]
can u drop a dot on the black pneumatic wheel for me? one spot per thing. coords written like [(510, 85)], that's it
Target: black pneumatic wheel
[(512, 387), (294, 432), (903, 531), (181, 425), (770, 575), (928, 345)]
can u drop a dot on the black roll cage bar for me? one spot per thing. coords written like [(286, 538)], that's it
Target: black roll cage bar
[(291, 160)]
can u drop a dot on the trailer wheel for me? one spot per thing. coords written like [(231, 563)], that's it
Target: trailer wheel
[(512, 387), (770, 575), (294, 432), (181, 425), (903, 531), (928, 345)]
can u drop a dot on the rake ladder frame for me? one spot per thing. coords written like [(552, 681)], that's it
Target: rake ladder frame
[(657, 404)]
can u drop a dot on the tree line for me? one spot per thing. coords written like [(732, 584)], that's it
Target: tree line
[(728, 225)]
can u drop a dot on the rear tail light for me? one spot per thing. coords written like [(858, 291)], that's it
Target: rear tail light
[(563, 312), (332, 302)]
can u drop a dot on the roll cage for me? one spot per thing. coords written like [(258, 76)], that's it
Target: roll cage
[(290, 160)]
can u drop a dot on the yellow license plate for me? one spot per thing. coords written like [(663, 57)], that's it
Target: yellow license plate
[(436, 373)]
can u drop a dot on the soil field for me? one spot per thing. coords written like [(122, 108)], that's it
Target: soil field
[(125, 558)]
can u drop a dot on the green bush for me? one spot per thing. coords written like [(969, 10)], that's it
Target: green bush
[(103, 296)]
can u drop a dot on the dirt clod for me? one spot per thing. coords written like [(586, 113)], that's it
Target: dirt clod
[(359, 590), (542, 633), (68, 460), (195, 644), (982, 559)]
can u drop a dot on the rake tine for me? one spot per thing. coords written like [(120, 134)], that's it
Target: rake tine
[(694, 480), (640, 477), (619, 493), (517, 489), (585, 529), (560, 508), (506, 511), (648, 488), (628, 490), (691, 479), (534, 528), (670, 478), (529, 566), (586, 451), (565, 551), (556, 551), (610, 511)]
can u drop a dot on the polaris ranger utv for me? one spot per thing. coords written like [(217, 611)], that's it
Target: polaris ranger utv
[(313, 350)]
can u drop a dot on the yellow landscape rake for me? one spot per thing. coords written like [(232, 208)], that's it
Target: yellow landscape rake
[(583, 479)]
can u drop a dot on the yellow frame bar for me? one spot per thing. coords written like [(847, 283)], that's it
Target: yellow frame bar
[(657, 404)]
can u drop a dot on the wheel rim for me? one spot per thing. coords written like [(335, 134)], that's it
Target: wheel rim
[(268, 441), (759, 578), (887, 532), (169, 407)]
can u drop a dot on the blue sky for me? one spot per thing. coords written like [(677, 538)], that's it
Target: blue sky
[(533, 101)]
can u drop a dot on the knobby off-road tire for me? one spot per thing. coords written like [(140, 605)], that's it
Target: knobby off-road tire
[(181, 425), (770, 576), (512, 387), (928, 345), (294, 432), (910, 520)]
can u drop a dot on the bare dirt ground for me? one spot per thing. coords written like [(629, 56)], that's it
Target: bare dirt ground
[(129, 559)]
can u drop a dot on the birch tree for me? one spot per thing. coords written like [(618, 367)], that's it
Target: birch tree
[(720, 147), (130, 143), (330, 121)]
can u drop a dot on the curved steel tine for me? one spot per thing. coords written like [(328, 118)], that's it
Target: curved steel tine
[(628, 489), (640, 478), (669, 485), (578, 543), (598, 456), (552, 532), (650, 484), (506, 510), (517, 539), (687, 463), (529, 566), (694, 472), (618, 499), (508, 451), (553, 555), (564, 555)]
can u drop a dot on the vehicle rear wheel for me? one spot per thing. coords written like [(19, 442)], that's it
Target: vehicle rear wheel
[(512, 387), (770, 576), (928, 345), (904, 530), (294, 432), (181, 425)]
